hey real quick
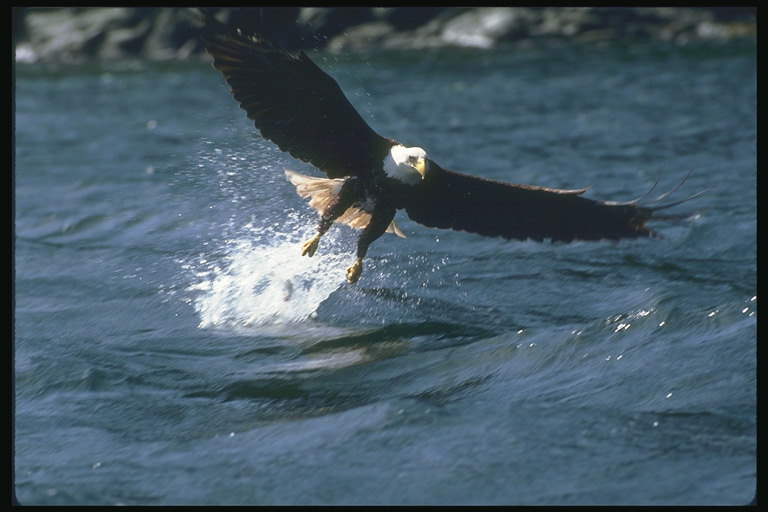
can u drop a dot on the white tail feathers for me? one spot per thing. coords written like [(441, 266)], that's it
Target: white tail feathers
[(322, 191)]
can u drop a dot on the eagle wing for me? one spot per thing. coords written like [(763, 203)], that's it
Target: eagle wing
[(293, 103), (451, 200)]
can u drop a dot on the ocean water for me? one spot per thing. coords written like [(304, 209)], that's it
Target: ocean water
[(171, 346)]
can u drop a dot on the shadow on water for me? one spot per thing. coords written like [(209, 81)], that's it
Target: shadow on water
[(429, 334), (346, 370)]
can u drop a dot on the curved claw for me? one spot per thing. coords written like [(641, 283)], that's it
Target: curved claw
[(354, 271), (310, 246)]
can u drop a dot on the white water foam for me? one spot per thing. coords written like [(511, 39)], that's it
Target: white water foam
[(264, 279)]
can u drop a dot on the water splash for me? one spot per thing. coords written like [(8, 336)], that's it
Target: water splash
[(263, 279)]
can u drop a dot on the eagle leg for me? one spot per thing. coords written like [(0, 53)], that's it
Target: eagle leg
[(347, 196), (310, 246), (354, 270), (380, 220)]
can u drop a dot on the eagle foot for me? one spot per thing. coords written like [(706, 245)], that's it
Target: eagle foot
[(354, 271), (310, 246)]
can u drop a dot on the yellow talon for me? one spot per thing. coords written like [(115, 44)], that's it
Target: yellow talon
[(310, 246), (354, 271)]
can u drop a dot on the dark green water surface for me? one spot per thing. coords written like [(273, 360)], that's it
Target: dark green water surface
[(172, 347)]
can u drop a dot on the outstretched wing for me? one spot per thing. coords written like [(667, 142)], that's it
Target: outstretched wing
[(293, 102), (450, 200)]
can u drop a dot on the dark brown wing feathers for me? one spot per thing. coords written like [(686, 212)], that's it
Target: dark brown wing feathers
[(294, 103), (451, 200)]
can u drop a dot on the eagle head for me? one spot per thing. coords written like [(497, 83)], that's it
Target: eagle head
[(407, 165)]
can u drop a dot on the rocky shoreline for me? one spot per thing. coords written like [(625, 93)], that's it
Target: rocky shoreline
[(68, 35)]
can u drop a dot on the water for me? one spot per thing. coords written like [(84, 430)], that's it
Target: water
[(172, 347)]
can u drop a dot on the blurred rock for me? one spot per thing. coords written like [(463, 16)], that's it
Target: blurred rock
[(484, 28), (172, 35), (70, 35), (73, 35)]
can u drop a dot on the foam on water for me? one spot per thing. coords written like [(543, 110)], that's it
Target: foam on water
[(264, 279)]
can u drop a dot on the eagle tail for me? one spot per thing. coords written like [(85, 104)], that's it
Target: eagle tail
[(321, 192)]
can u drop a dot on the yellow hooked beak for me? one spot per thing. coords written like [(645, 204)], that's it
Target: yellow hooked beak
[(421, 166)]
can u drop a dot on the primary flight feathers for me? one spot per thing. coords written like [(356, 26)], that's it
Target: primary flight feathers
[(293, 102)]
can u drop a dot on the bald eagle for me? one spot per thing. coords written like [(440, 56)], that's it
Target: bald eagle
[(302, 110)]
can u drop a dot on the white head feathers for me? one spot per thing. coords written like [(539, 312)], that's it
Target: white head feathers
[(408, 165)]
